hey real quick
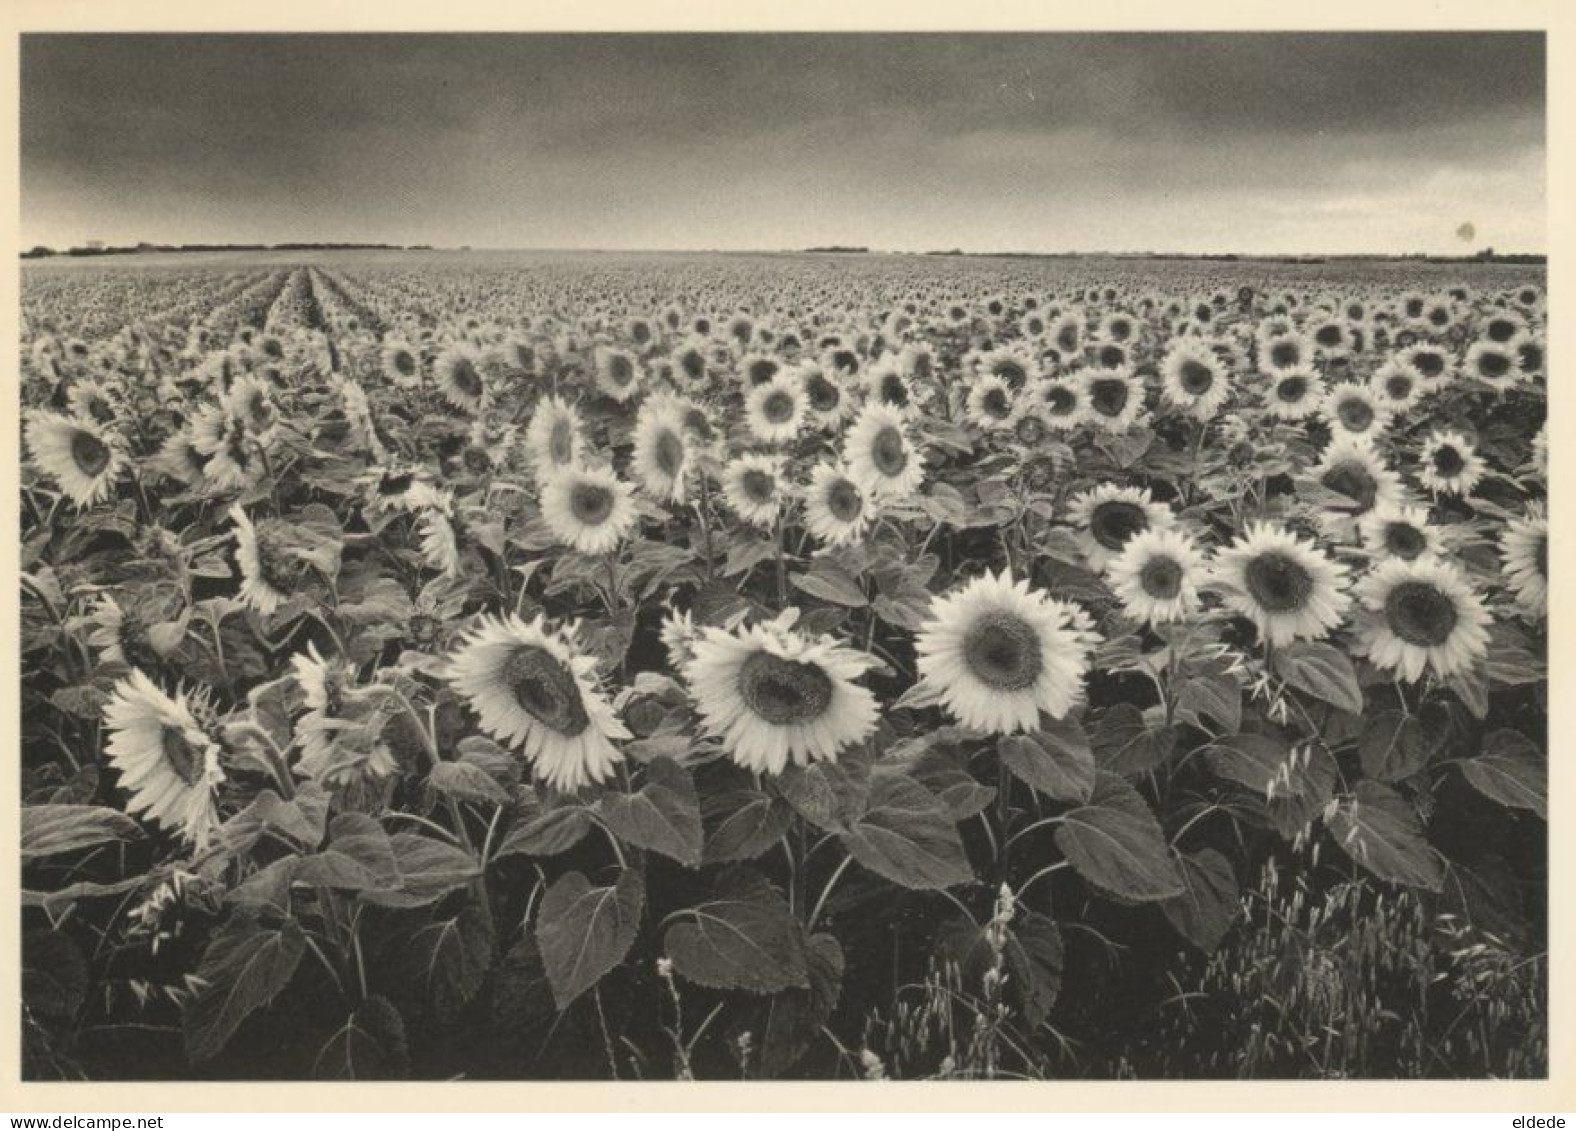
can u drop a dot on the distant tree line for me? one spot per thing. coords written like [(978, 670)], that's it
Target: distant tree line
[(42, 252)]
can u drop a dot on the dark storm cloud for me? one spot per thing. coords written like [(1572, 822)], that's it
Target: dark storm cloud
[(601, 139)]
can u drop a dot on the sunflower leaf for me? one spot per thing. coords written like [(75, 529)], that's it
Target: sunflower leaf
[(244, 968), (1509, 770), (1379, 830), (906, 834), (743, 938), (368, 1045), (48, 830), (663, 815), (1116, 844), (1322, 671), (582, 932)]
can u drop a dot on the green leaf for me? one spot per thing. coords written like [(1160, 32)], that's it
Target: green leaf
[(1261, 762), (827, 794), (744, 824), (1379, 830), (907, 835), (1034, 956), (1208, 905), (793, 1018), (744, 938), (1056, 760), (54, 975), (244, 968), (663, 815), (831, 584), (1510, 770), (465, 781), (542, 831), (301, 819), (447, 960), (48, 830), (582, 932), (359, 857), (1392, 746), (369, 1045), (1213, 695), (1128, 744), (1322, 671), (428, 870), (1116, 844)]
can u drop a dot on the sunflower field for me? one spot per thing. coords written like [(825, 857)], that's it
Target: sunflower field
[(532, 666)]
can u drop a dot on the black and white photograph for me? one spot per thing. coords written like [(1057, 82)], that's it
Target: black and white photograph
[(783, 556)]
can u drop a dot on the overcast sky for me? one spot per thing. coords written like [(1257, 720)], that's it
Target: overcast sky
[(1249, 143)]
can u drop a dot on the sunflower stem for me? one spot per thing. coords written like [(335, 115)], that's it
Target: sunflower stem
[(815, 912), (782, 566)]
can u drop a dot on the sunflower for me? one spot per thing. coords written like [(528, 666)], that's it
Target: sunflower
[(1402, 532), (691, 366), (752, 487), (167, 761), (1066, 404), (828, 402), (661, 460), (1010, 367), (589, 509), (775, 696), (1294, 394), (990, 402), (881, 457), (1288, 352), (886, 386), (81, 456), (1193, 378), (1427, 616), (617, 373), (459, 375), (1524, 548), (1354, 469), (1449, 464), (1493, 363), (552, 439), (1109, 516), (251, 401), (1430, 366), (120, 637), (271, 569), (438, 539), (1156, 576), (1531, 358), (759, 369), (533, 690), (1065, 335), (1354, 411), (1287, 587), (1113, 397), (997, 654), (835, 509), (400, 363), (775, 409), (91, 399)]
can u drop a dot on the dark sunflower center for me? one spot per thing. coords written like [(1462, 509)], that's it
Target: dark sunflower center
[(1109, 396), (762, 371), (184, 758), (669, 452), (546, 690), (1501, 330), (778, 407), (844, 501), (1493, 364), (1067, 339), (1355, 482), (1121, 330), (282, 571), (1448, 461), (1292, 389), (466, 379), (621, 370), (893, 391), (591, 503), (1010, 372), (404, 363), (1278, 582), (759, 487), (1542, 556), (784, 692), (1355, 413), (1030, 430), (1114, 522), (1428, 363), (846, 360), (1530, 355), (1002, 651), (824, 396), (1060, 400), (887, 451), (995, 404), (1439, 316), (89, 453), (1283, 355), (1420, 614), (1112, 356), (924, 367), (1328, 336), (1404, 540), (693, 364), (1161, 578), (1196, 377)]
